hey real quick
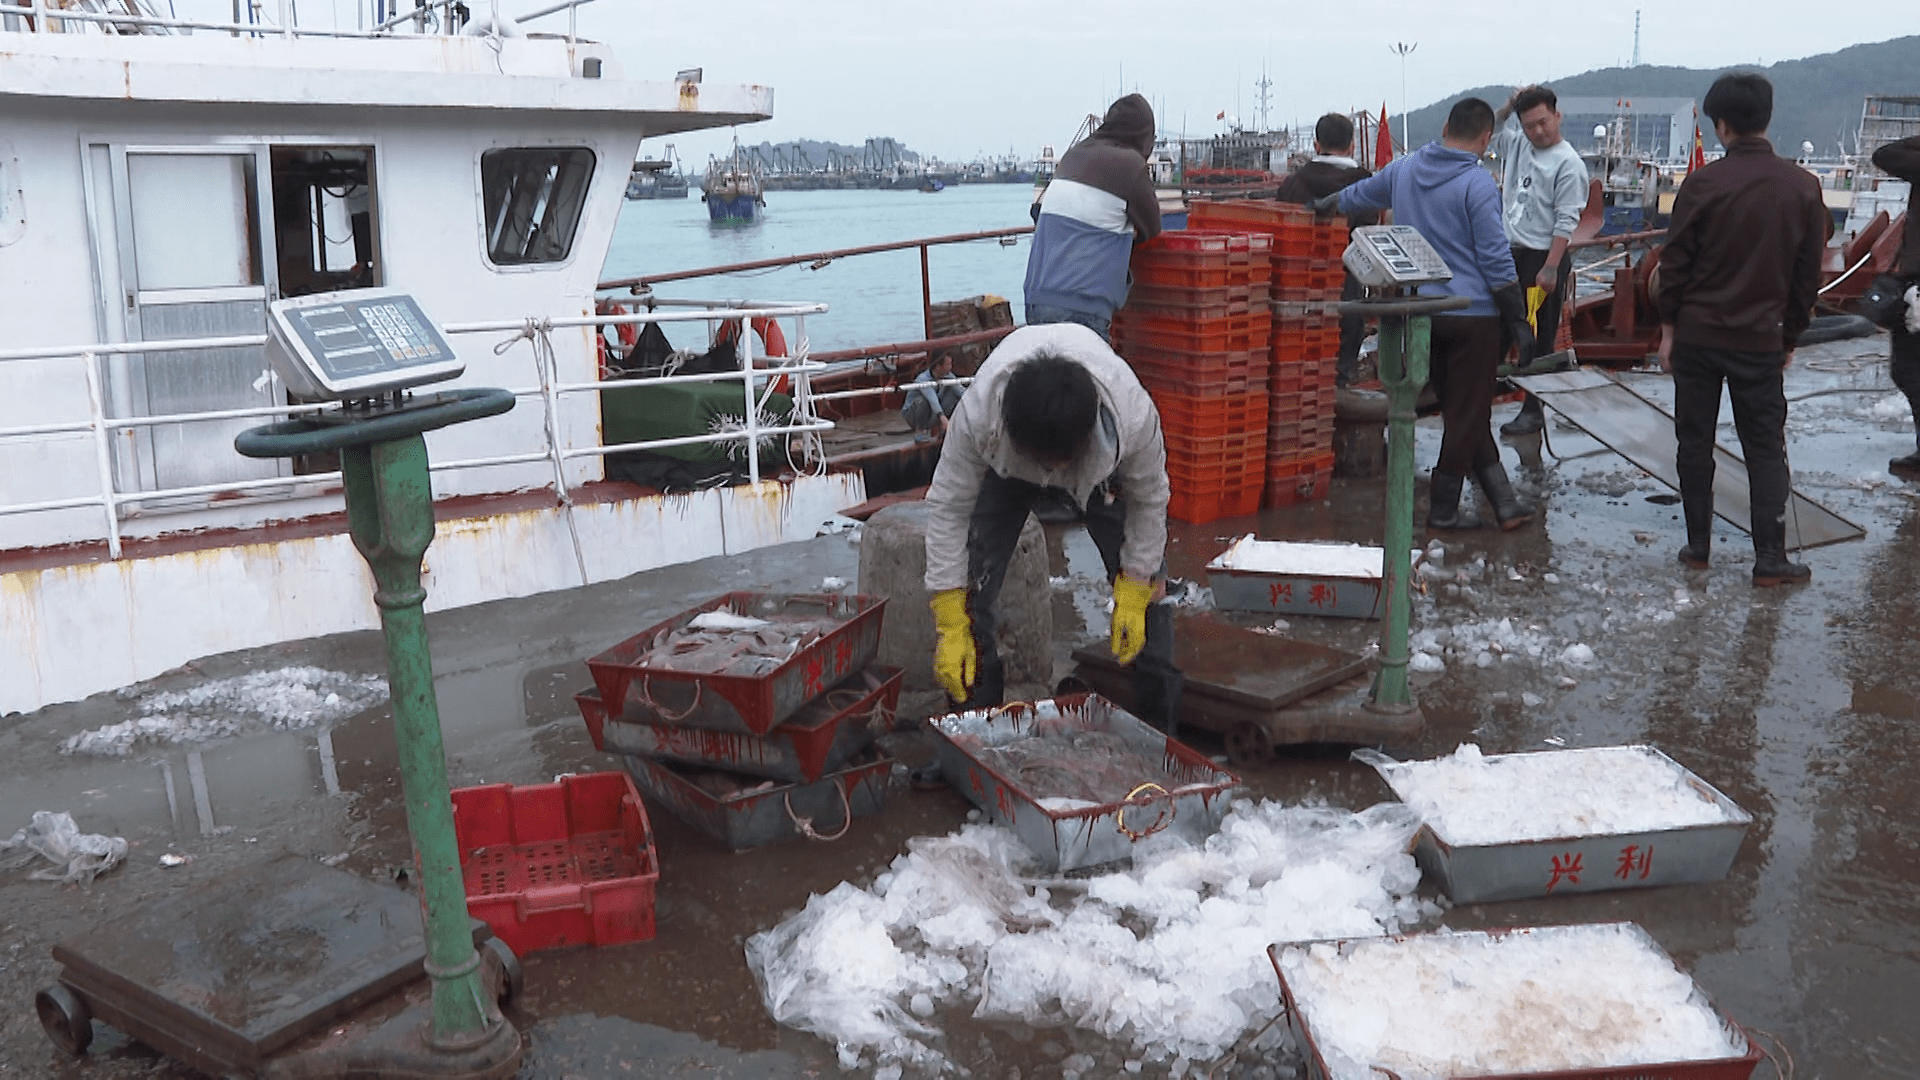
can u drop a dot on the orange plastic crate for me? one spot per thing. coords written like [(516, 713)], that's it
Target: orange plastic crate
[(1201, 507), (1193, 456), (1247, 215), (1298, 479), (1227, 333), (1188, 416), (1222, 385), (1165, 296)]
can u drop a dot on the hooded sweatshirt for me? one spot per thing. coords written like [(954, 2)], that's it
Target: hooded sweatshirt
[(1099, 204), (1444, 193)]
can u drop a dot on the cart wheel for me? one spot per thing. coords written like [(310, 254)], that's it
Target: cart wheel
[(507, 968), (68, 1021), (1249, 744), (1072, 684)]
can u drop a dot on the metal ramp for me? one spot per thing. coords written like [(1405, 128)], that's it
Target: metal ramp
[(1642, 432)]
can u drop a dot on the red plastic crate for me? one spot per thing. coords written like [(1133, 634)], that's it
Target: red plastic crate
[(551, 865), (1221, 384), (1181, 299), (1247, 215), (1190, 453), (1200, 507), (1298, 479), (1187, 416), (1183, 242), (1223, 334)]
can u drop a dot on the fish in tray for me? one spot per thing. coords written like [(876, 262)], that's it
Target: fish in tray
[(721, 643), (1068, 769)]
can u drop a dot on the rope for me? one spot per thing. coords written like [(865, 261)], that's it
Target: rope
[(539, 330), (1829, 285), (646, 698), (805, 824)]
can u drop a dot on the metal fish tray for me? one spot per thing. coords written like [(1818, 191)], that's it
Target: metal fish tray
[(1352, 595), (748, 704), (1065, 839), (1300, 1020), (824, 735), (778, 812), (1524, 869)]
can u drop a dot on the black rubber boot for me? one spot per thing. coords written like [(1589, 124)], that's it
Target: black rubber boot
[(1699, 534), (1905, 466), (1443, 503), (1511, 511), (1531, 419), (1770, 564)]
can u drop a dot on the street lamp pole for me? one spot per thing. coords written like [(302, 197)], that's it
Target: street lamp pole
[(1402, 49)]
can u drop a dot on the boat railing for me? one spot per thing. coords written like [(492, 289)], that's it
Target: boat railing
[(138, 16), (757, 385)]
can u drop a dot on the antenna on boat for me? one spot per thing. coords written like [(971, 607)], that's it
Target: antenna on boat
[(1636, 37)]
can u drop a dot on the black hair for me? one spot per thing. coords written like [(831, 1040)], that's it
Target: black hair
[(1532, 98), (1334, 132), (1742, 100), (1469, 118), (1050, 407)]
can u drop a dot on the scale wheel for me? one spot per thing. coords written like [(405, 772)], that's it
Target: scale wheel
[(68, 1021), (1071, 684), (507, 968), (1249, 744)]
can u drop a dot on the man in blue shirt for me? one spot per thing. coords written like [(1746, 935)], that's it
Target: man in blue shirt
[(1442, 191)]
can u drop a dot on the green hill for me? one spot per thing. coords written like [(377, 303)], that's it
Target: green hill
[(1815, 99)]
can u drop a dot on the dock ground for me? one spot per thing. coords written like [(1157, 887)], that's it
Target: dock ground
[(1801, 704)]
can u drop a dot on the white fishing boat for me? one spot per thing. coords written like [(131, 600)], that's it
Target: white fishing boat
[(162, 180)]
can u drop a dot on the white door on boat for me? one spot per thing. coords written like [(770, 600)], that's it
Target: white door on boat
[(184, 254)]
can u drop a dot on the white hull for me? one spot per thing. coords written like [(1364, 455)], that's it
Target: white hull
[(70, 631)]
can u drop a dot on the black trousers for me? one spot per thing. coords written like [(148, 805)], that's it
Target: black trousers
[(992, 534), (1755, 383), (1353, 329), (1905, 370), (1464, 356), (1527, 263)]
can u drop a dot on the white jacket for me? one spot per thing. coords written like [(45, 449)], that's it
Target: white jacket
[(1125, 445)]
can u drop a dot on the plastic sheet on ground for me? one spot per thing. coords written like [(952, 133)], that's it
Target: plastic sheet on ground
[(1168, 956), (80, 857)]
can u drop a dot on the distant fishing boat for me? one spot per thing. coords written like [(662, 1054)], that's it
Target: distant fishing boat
[(932, 184), (659, 178), (732, 190)]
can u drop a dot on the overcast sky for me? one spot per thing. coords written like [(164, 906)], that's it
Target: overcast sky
[(966, 78), (970, 77)]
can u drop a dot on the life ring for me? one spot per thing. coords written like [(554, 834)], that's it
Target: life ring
[(773, 341), (628, 333)]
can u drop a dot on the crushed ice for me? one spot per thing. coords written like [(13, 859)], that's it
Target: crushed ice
[(1169, 955), (1470, 798), (285, 699), (1538, 1001)]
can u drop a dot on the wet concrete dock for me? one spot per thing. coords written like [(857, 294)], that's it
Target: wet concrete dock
[(1800, 704)]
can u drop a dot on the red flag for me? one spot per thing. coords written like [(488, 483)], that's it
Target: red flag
[(1221, 115), (1383, 143), (1699, 157)]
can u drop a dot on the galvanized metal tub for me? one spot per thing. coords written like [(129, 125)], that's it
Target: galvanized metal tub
[(750, 705), (824, 735), (1345, 592), (1525, 869), (1066, 839), (822, 810), (1740, 1067)]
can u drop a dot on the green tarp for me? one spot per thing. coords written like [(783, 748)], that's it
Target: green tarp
[(637, 412)]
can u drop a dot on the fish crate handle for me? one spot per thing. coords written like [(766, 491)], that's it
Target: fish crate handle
[(646, 698), (805, 824), (1159, 823)]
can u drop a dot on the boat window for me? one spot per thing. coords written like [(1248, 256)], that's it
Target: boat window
[(533, 198), (323, 218)]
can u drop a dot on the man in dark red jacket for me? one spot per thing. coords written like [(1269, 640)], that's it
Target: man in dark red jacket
[(1902, 159), (1738, 280), (1331, 169)]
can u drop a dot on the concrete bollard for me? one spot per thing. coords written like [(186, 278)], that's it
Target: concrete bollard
[(893, 564), (1359, 435)]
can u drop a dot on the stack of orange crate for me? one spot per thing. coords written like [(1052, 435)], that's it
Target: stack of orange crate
[(1306, 270), (1197, 339)]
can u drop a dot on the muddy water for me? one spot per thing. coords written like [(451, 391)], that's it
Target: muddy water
[(1800, 704)]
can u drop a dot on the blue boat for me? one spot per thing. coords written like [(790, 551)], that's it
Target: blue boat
[(733, 191)]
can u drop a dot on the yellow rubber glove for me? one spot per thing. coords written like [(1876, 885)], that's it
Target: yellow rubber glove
[(953, 655), (1130, 597), (1536, 297)]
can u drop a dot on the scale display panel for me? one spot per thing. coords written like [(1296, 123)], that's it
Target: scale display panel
[(358, 343), (1388, 256)]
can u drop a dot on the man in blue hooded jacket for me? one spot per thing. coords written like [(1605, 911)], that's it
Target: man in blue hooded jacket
[(1099, 204), (1442, 191)]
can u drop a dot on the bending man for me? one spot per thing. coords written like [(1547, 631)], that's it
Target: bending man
[(1052, 410)]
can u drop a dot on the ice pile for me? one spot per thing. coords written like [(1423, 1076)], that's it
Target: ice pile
[(1546, 1000), (1168, 955), (285, 699), (1469, 798), (1482, 644), (1891, 407)]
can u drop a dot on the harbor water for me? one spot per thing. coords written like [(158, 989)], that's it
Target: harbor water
[(872, 299)]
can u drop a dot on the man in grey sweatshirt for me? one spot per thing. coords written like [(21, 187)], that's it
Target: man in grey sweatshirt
[(1543, 185)]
